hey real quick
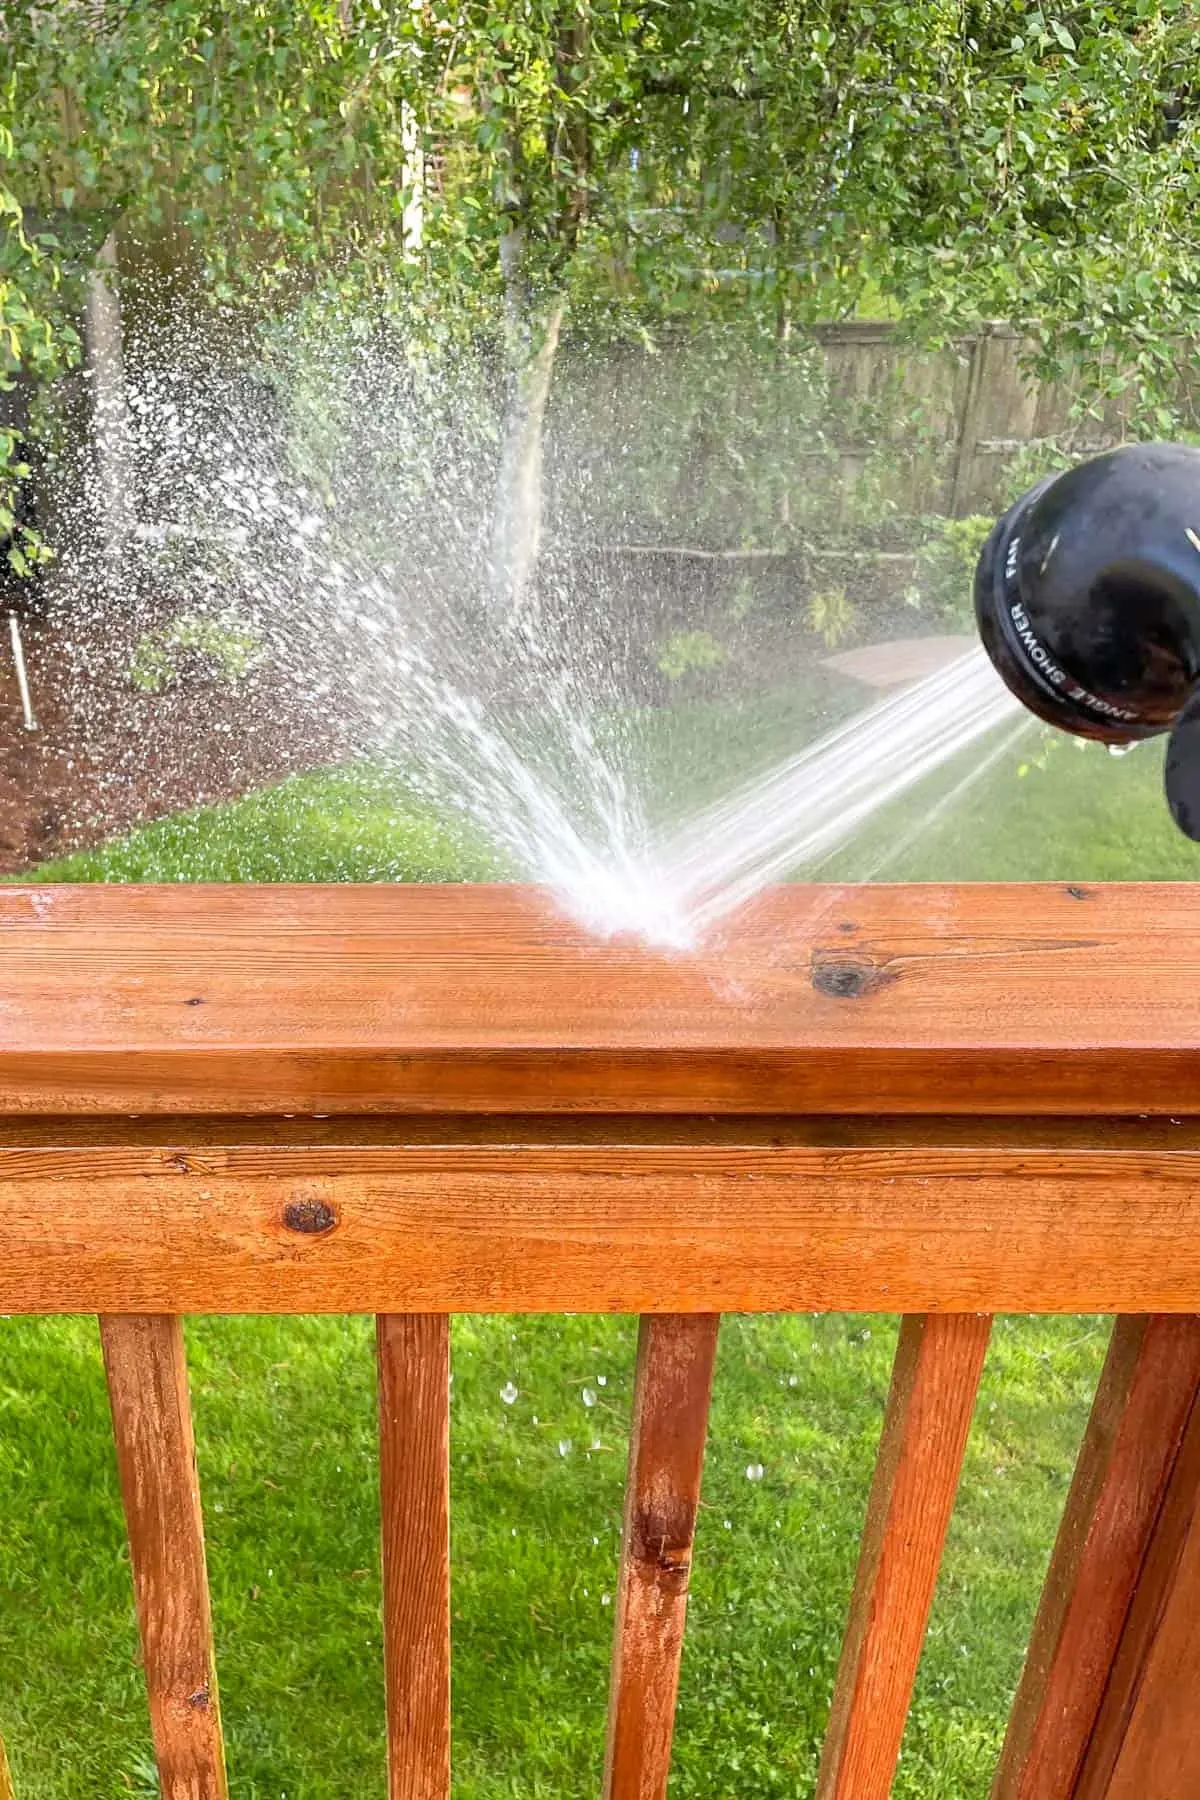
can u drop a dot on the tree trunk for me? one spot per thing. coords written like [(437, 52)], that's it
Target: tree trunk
[(533, 334), (412, 224), (112, 436)]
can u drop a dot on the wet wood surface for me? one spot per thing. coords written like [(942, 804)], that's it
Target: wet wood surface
[(413, 1352), (932, 1398), (156, 1460), (1031, 999), (1145, 1744), (636, 1215), (672, 1390), (1143, 1402)]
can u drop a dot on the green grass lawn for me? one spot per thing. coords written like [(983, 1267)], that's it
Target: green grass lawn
[(285, 1423)]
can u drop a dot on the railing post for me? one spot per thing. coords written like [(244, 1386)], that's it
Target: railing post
[(413, 1351), (156, 1459), (672, 1389), (939, 1359), (1143, 1400), (1145, 1744)]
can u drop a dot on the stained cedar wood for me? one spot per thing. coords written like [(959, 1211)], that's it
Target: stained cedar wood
[(607, 1215), (867, 999), (1145, 1394), (672, 1388), (156, 1460), (1145, 1745), (414, 1480), (6, 1787), (934, 1383)]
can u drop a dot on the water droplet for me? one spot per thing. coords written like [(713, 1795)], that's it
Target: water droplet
[(595, 1540), (602, 1381), (535, 1418), (588, 1396), (728, 1524), (565, 1446), (754, 1471), (508, 1393), (793, 1381), (606, 1599)]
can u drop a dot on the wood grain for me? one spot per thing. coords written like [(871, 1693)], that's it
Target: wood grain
[(1145, 1745), (934, 1383), (1144, 1398), (390, 999), (672, 1388), (414, 1481), (156, 1460), (653, 1216), (6, 1786)]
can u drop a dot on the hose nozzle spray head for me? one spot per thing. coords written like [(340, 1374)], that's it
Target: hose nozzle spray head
[(1087, 596)]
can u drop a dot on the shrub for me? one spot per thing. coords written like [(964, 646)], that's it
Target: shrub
[(688, 653), (225, 645), (945, 571)]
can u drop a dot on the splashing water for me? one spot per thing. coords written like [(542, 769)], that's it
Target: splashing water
[(797, 815), (519, 724)]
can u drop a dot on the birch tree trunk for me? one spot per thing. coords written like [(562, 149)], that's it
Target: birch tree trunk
[(112, 436), (412, 224), (533, 335)]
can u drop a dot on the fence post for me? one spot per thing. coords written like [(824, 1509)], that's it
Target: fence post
[(968, 429)]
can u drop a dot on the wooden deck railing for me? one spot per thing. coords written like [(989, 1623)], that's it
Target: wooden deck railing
[(937, 1102)]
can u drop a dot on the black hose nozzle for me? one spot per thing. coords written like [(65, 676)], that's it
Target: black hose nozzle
[(1087, 596)]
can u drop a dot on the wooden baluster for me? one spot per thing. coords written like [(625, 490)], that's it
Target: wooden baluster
[(672, 1390), (939, 1360), (1146, 1391), (1145, 1745), (156, 1460), (414, 1477)]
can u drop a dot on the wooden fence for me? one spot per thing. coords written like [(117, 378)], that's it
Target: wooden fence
[(980, 404), (942, 1102), (718, 452)]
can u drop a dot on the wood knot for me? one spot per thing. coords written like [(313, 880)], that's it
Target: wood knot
[(1078, 893), (309, 1214), (201, 1700), (845, 979)]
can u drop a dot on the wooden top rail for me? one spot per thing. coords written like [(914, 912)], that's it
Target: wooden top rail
[(237, 1000)]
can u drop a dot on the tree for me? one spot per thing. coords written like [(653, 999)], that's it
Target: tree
[(269, 139), (525, 170), (779, 161), (29, 343)]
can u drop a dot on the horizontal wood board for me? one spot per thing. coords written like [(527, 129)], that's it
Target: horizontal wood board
[(601, 1214), (388, 999)]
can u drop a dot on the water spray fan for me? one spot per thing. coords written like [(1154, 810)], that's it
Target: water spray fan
[(1087, 596)]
